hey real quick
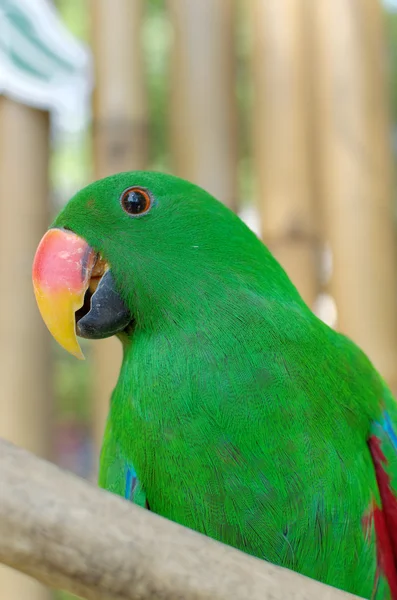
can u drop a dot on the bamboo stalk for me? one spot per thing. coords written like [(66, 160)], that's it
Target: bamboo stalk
[(203, 96), (282, 149), (120, 141), (355, 162), (68, 534), (25, 367)]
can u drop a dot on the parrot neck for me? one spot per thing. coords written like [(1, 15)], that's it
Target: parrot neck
[(209, 292)]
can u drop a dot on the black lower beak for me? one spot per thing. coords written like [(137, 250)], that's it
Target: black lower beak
[(107, 315)]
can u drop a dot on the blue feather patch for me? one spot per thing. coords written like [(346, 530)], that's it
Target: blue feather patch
[(130, 482), (388, 427)]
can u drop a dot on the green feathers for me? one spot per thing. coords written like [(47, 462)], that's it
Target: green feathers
[(237, 412)]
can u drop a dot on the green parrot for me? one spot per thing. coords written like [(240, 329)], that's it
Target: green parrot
[(237, 412)]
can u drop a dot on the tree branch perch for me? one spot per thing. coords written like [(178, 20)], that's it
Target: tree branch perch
[(68, 534)]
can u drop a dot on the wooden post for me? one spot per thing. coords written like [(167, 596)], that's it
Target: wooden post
[(25, 366), (355, 163), (203, 96), (120, 140), (282, 157)]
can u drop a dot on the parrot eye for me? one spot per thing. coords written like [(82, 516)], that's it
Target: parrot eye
[(135, 201)]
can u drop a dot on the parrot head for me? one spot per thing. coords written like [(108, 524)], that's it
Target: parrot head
[(135, 248)]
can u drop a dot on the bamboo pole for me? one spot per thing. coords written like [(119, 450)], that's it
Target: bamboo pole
[(203, 96), (120, 140), (281, 117), (25, 404), (355, 163), (68, 534)]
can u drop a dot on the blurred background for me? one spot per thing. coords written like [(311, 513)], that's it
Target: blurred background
[(286, 110)]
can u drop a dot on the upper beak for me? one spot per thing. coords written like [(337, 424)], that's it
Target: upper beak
[(61, 274)]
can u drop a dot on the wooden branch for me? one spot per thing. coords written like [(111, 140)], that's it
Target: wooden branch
[(68, 534)]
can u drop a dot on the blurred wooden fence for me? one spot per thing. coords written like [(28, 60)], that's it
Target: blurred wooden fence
[(320, 131)]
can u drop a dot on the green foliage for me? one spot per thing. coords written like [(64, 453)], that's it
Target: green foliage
[(59, 595), (391, 29), (70, 167), (72, 383), (156, 39), (75, 14)]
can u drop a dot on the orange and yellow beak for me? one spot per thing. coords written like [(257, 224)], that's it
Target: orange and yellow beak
[(62, 269)]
